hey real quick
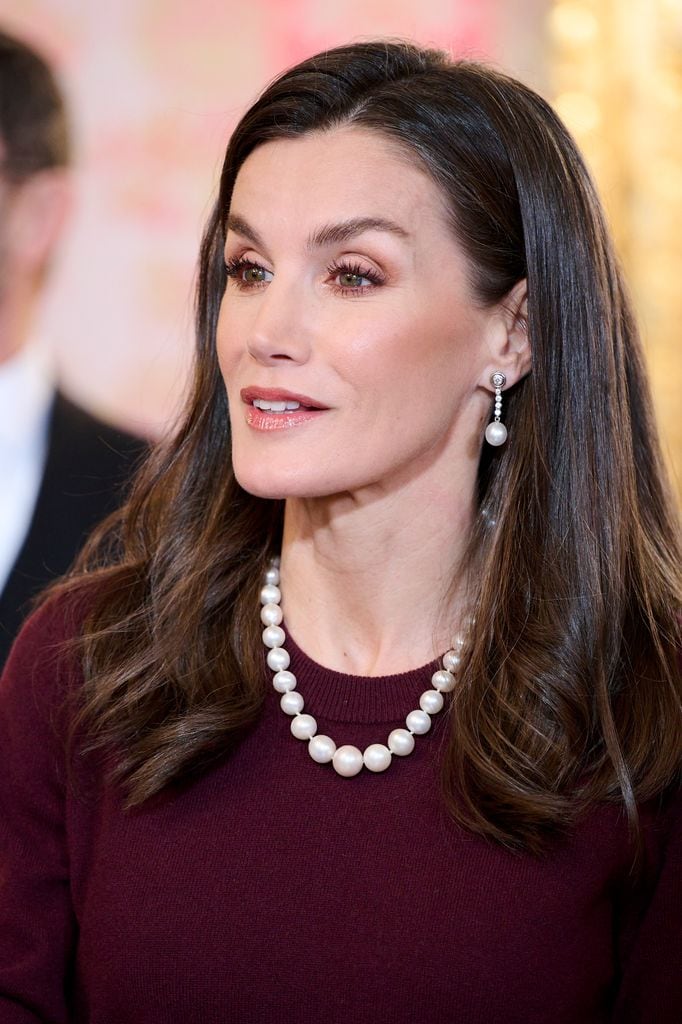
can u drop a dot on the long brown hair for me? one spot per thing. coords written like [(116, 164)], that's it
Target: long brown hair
[(571, 692)]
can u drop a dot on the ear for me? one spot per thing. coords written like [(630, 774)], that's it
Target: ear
[(508, 341), (38, 210)]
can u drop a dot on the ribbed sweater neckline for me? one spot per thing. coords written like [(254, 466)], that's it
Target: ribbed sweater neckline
[(341, 697)]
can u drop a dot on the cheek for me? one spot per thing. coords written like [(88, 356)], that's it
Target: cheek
[(412, 355), (380, 348), (425, 373), (226, 349)]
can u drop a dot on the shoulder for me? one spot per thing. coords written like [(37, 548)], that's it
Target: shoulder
[(43, 666), (87, 471), (662, 827), (73, 428), (650, 928)]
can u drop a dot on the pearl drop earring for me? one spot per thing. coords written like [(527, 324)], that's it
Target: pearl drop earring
[(496, 432)]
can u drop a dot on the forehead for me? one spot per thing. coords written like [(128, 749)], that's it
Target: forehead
[(337, 173)]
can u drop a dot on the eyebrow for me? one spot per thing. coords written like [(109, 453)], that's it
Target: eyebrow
[(329, 234), (332, 234), (243, 228)]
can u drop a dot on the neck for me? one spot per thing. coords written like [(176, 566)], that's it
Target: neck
[(370, 585)]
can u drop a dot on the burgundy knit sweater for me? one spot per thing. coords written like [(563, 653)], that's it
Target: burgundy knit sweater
[(272, 890)]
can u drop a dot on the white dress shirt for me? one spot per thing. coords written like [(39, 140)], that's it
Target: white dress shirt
[(26, 393)]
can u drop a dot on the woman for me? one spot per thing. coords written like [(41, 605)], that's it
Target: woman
[(475, 640)]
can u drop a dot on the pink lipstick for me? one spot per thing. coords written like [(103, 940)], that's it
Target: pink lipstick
[(278, 409)]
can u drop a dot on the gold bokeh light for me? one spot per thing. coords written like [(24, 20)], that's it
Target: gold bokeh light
[(617, 83)]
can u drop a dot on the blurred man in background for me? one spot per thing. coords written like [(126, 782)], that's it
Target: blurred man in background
[(61, 470)]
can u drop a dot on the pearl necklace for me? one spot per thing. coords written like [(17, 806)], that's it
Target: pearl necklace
[(347, 760)]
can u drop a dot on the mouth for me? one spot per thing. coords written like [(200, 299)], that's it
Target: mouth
[(278, 401), (277, 407), (268, 408)]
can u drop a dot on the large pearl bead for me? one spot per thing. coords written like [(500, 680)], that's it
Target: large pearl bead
[(451, 661), (270, 594), (417, 722), (284, 681), (377, 757), (401, 742), (347, 761), (291, 703), (496, 433), (442, 680), (271, 615), (273, 636), (303, 727), (278, 659), (272, 575), (321, 749), (431, 701)]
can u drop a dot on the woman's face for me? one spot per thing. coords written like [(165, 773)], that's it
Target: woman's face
[(352, 350)]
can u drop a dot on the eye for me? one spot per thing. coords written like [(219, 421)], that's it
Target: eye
[(349, 280), (354, 278), (246, 274)]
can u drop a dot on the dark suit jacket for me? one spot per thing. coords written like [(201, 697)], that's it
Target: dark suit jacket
[(87, 466)]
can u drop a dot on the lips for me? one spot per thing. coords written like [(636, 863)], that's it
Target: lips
[(278, 400), (274, 409)]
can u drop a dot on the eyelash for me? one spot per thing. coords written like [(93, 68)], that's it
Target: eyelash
[(234, 267)]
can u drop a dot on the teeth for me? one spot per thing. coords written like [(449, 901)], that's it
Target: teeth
[(265, 406)]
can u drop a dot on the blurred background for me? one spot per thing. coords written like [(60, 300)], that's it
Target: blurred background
[(155, 87)]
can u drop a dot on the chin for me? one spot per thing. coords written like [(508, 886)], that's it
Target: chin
[(275, 485), (283, 483)]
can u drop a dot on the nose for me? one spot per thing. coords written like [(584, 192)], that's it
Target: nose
[(280, 330)]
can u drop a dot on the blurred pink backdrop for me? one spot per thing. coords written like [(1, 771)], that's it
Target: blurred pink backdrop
[(154, 89)]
